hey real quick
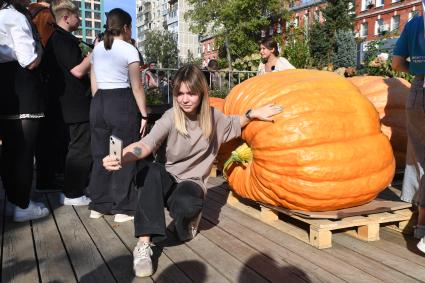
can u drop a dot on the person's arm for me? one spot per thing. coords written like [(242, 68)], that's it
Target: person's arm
[(93, 84), (25, 45), (83, 68), (400, 64), (138, 92), (264, 113), (131, 153)]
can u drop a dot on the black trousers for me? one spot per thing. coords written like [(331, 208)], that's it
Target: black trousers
[(158, 189), (19, 139), (52, 146), (113, 112), (78, 160)]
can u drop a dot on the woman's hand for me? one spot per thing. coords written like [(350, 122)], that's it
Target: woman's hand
[(143, 125), (111, 163), (266, 112)]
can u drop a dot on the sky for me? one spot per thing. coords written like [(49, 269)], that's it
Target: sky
[(127, 5)]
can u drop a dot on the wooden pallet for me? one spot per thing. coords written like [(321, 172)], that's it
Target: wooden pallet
[(318, 232)]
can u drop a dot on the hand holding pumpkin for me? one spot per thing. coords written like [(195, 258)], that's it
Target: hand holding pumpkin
[(266, 112)]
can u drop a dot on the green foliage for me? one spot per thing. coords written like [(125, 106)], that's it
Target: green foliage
[(192, 60), (345, 53), (319, 45), (338, 15), (161, 47), (238, 21), (221, 93), (154, 96), (247, 63), (297, 49)]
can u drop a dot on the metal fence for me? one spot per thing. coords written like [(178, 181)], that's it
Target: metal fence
[(158, 85)]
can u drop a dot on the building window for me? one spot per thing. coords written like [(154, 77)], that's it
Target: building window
[(296, 21), (271, 30), (279, 27), (88, 6), (87, 14), (78, 32), (317, 15), (97, 7), (88, 24), (379, 3), (208, 47), (97, 16), (363, 29), (88, 32), (305, 19), (97, 24), (395, 22)]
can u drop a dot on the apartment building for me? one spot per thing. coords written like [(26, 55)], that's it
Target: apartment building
[(374, 18), (92, 19), (169, 15)]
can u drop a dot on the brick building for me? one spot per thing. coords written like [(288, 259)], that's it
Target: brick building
[(374, 18), (208, 49)]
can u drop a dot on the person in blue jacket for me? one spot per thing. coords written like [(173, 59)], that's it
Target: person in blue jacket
[(409, 57)]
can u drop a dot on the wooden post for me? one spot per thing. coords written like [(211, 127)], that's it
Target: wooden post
[(268, 215), (320, 238), (368, 232)]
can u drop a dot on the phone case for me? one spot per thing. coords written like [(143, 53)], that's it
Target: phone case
[(115, 147)]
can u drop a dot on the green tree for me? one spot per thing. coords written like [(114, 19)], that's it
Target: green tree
[(338, 15), (297, 49), (345, 53), (319, 47), (236, 24), (161, 47)]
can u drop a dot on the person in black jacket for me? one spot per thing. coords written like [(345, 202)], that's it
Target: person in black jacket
[(69, 83)]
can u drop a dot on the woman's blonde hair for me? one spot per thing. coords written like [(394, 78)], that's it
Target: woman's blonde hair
[(61, 7), (195, 81)]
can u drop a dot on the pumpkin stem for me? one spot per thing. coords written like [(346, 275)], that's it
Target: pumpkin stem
[(242, 155)]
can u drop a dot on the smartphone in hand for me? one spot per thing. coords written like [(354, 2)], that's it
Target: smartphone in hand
[(115, 147)]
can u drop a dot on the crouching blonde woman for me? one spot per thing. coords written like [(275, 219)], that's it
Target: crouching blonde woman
[(192, 133)]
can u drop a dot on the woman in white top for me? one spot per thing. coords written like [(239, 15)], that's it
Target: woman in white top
[(270, 60), (118, 100), (21, 107)]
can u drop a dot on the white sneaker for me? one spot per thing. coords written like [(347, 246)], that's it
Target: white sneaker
[(421, 245), (122, 218), (95, 215), (142, 262), (83, 200), (35, 210)]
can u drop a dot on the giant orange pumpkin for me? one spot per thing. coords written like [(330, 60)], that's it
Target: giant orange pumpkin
[(325, 151), (226, 148), (388, 95)]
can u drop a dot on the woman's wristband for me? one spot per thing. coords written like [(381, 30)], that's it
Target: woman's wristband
[(144, 117)]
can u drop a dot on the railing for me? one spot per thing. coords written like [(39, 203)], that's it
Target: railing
[(159, 88)]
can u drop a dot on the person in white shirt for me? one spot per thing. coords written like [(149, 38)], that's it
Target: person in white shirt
[(21, 107), (270, 60), (118, 99)]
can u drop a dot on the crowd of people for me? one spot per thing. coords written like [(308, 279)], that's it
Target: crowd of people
[(62, 107)]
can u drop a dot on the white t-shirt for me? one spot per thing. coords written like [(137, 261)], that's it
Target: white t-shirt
[(111, 66), (281, 65), (16, 39)]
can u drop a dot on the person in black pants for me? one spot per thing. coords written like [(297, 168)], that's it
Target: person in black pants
[(69, 81), (21, 108), (192, 133), (114, 111)]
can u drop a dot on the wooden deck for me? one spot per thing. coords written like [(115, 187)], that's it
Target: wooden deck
[(231, 247)]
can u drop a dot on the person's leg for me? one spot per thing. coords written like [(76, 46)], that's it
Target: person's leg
[(185, 203), (124, 123), (415, 115), (154, 186), (78, 164), (99, 187), (19, 138)]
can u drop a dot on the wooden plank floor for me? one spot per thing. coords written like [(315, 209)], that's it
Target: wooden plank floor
[(67, 246)]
